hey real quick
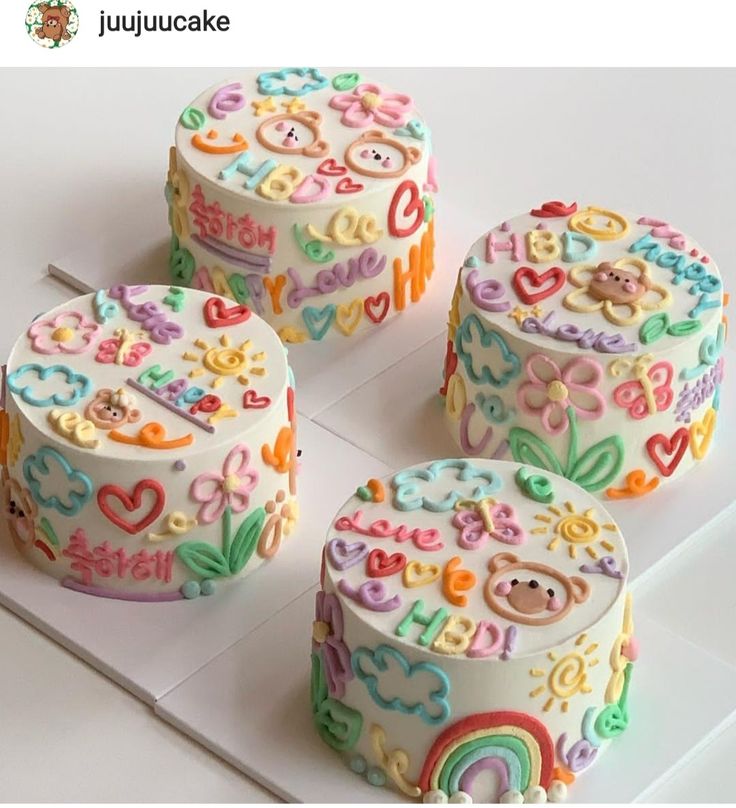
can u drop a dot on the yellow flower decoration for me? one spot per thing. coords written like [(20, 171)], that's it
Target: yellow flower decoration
[(621, 290)]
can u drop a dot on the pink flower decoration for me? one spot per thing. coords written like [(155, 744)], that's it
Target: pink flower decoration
[(367, 105), (68, 333), (327, 631), (551, 390), (231, 487)]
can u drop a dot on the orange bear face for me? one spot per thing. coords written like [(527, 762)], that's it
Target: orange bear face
[(297, 133), (530, 593), (54, 21), (109, 410), (375, 154)]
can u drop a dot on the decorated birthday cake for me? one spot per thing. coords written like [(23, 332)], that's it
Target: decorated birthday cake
[(148, 443), (587, 342), (305, 195), (473, 636)]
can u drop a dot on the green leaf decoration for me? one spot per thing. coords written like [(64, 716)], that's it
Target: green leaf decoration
[(684, 328), (318, 688), (203, 559), (526, 447), (654, 328), (192, 118), (345, 81), (599, 464), (245, 540)]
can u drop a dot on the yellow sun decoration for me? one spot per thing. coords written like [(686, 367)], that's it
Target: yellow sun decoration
[(567, 676), (225, 361), (573, 529)]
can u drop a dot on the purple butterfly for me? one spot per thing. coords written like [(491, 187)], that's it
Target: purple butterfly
[(486, 519)]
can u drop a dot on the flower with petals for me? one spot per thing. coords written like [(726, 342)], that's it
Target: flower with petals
[(229, 488), (367, 104), (550, 390), (327, 631), (70, 332), (20, 511), (621, 290)]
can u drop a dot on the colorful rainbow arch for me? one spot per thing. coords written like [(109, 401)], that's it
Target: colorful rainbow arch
[(515, 745)]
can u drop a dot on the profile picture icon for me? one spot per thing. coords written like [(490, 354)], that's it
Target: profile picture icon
[(52, 24)]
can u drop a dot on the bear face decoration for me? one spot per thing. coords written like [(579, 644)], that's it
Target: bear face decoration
[(375, 154), (297, 133), (618, 285), (109, 410), (54, 20), (514, 591)]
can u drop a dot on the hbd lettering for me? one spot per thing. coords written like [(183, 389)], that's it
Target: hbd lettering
[(139, 22)]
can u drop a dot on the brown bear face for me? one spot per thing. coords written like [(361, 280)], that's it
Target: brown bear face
[(297, 133), (54, 21), (617, 285), (109, 410), (375, 154), (530, 593), (19, 509)]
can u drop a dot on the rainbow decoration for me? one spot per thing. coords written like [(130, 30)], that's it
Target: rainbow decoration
[(515, 745)]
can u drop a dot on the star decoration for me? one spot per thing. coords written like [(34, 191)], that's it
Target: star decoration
[(262, 107), (295, 105), (520, 315)]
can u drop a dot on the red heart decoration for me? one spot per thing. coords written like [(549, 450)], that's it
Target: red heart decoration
[(217, 314), (380, 563), (347, 186), (376, 308), (413, 206), (533, 278), (132, 504), (554, 209), (330, 168), (252, 401), (675, 446)]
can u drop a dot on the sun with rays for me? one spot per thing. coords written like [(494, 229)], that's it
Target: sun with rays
[(573, 529), (567, 677), (225, 361)]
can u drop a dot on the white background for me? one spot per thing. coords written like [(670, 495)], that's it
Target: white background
[(84, 156)]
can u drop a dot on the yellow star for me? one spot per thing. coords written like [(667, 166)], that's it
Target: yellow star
[(262, 107), (537, 311), (295, 105), (519, 315)]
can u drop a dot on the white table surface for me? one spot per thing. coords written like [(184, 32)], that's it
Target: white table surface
[(69, 733)]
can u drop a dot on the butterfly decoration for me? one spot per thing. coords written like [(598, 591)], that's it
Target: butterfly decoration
[(649, 392), (485, 519), (122, 349)]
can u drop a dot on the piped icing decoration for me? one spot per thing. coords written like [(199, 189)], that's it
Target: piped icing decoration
[(367, 104), (279, 82), (69, 424)]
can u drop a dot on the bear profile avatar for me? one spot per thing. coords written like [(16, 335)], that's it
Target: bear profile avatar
[(294, 134), (376, 154), (530, 593), (54, 22)]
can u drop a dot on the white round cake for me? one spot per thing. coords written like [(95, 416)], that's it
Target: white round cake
[(306, 196), (473, 637), (587, 342), (148, 443)]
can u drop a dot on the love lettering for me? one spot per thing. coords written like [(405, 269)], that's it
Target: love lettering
[(569, 332), (427, 540), (152, 319), (367, 265)]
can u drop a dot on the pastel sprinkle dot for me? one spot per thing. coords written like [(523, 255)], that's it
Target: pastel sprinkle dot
[(375, 777), (472, 261), (190, 590), (207, 587), (180, 465), (365, 493), (358, 764), (540, 226), (705, 259), (693, 252), (505, 226)]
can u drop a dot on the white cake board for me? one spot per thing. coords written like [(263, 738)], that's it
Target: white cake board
[(399, 418), (325, 371), (273, 740), (151, 648)]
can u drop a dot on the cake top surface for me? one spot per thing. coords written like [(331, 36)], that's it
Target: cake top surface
[(582, 279), (529, 552), (133, 368), (341, 135)]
